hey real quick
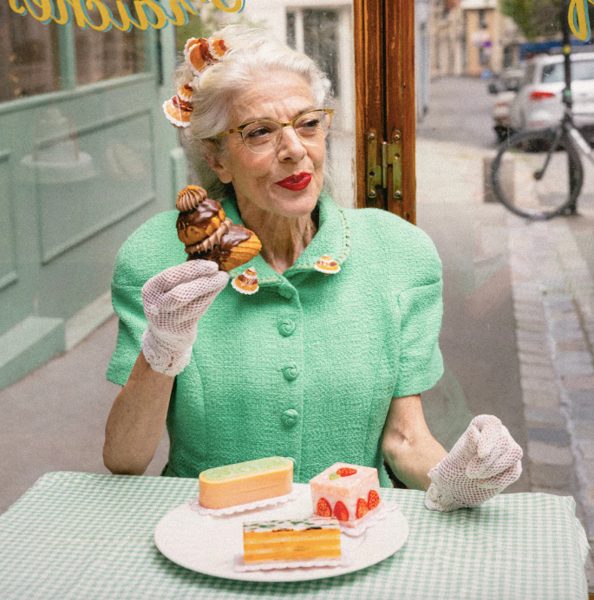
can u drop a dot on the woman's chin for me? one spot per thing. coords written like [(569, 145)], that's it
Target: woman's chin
[(296, 204)]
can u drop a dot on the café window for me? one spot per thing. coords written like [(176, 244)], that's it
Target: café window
[(107, 54), (326, 35), (40, 58), (30, 60), (315, 32)]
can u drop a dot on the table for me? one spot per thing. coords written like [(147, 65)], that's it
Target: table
[(87, 536)]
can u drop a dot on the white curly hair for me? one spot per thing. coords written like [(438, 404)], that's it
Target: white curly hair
[(252, 51)]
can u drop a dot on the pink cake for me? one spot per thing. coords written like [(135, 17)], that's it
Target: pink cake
[(347, 492)]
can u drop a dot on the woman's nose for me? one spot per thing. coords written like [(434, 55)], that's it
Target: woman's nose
[(290, 146)]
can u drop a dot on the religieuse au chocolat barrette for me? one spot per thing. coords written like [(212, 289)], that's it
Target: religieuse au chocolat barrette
[(199, 54)]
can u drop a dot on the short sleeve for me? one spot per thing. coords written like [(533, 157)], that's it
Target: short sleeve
[(420, 362), (127, 304), (149, 250)]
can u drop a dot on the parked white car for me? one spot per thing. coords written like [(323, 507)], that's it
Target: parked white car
[(504, 88), (539, 104)]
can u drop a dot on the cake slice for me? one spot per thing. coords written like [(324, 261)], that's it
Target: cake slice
[(245, 482), (346, 492), (291, 540)]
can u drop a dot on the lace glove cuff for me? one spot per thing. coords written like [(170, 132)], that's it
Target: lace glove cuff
[(440, 499), (163, 355)]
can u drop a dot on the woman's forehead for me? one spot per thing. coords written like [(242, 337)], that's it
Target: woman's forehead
[(278, 95)]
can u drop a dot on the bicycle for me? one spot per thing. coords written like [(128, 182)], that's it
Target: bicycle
[(547, 166), (545, 163)]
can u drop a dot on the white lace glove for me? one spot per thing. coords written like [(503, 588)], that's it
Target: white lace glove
[(174, 300), (482, 463)]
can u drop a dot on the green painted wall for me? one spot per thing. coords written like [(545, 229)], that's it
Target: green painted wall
[(79, 170)]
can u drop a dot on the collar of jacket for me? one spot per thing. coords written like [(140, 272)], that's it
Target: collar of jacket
[(332, 239)]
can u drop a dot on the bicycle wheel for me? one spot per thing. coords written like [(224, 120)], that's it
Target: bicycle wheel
[(538, 174)]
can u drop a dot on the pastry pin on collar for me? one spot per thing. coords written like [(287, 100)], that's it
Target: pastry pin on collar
[(247, 282), (327, 265)]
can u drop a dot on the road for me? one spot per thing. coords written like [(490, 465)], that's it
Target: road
[(518, 328), (478, 335), (460, 111)]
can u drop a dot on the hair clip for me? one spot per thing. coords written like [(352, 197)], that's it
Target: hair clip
[(199, 54), (178, 109)]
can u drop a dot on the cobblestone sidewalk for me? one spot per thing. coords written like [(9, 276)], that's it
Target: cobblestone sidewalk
[(553, 295), (553, 298)]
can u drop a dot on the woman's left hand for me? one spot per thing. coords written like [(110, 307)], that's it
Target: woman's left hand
[(482, 463)]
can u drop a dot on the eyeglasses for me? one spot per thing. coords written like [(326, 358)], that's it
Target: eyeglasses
[(263, 135)]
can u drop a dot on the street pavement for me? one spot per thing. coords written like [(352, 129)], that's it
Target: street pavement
[(549, 269), (517, 334)]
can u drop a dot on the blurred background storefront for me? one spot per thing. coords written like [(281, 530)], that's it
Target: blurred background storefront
[(85, 157)]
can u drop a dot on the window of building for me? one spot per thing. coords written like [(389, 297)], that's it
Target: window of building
[(291, 31), (30, 61), (105, 55), (38, 58), (315, 32), (482, 16)]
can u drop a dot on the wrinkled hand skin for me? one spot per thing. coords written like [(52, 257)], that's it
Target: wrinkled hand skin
[(482, 463)]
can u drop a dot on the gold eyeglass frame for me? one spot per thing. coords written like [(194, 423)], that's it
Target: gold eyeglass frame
[(283, 124)]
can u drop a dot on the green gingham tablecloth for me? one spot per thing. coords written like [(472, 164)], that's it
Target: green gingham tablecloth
[(87, 536)]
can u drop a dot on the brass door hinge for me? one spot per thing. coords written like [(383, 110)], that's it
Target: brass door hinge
[(377, 173)]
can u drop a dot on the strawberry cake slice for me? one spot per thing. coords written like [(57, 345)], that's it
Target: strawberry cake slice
[(346, 492)]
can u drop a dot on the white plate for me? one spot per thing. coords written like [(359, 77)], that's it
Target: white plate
[(210, 545)]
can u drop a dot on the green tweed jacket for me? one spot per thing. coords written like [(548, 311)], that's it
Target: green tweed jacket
[(306, 367)]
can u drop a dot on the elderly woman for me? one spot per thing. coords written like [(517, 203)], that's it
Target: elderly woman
[(317, 367)]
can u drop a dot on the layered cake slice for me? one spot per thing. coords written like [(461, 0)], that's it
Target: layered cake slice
[(291, 540), (347, 492), (245, 482)]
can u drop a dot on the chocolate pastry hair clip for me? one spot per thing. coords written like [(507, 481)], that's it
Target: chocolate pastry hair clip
[(199, 54)]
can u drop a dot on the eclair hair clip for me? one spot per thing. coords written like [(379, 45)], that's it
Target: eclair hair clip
[(199, 54), (178, 109)]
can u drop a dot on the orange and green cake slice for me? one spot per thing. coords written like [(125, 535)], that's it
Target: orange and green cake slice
[(245, 482), (290, 540)]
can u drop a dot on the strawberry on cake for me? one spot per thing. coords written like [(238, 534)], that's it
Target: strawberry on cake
[(346, 492)]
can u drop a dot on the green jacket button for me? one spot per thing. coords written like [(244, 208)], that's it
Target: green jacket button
[(286, 327), (291, 372), (290, 417), (286, 291)]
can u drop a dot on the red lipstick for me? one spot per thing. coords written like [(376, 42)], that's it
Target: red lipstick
[(296, 182)]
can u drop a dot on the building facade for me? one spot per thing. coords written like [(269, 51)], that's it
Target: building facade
[(447, 38), (85, 157), (492, 38), (472, 38)]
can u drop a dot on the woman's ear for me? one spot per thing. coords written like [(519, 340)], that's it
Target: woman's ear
[(219, 165)]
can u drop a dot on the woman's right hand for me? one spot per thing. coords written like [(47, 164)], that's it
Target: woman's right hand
[(174, 300)]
